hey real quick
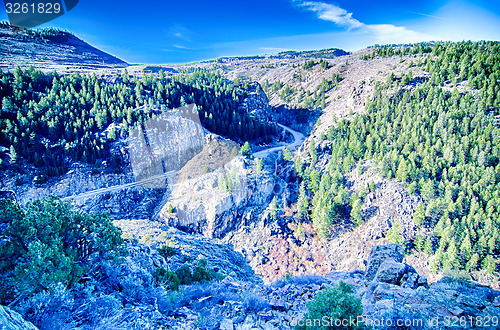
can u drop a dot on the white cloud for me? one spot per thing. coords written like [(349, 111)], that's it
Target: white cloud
[(380, 33), (332, 13), (388, 33)]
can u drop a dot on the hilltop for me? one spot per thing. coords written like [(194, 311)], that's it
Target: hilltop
[(51, 49)]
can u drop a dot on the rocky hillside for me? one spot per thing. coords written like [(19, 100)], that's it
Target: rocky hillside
[(281, 228), (391, 292), (60, 51)]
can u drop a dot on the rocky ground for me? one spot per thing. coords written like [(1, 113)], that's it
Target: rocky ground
[(392, 293)]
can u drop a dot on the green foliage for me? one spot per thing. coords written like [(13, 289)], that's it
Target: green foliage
[(273, 209), (371, 186), (442, 143), (419, 243), (229, 180), (302, 202), (419, 215), (287, 155), (308, 65), (223, 182), (50, 243), (258, 165), (166, 251), (165, 277), (356, 215), (324, 64), (330, 304), (184, 276), (235, 151), (298, 166), (428, 247), (394, 233), (245, 149), (53, 119)]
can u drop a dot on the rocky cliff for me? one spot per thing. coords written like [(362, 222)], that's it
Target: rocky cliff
[(221, 201), (11, 320)]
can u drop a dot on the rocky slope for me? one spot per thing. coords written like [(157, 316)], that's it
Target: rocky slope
[(275, 252), (392, 293), (13, 321), (63, 54)]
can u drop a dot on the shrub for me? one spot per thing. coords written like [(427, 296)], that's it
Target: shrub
[(163, 276), (184, 274), (255, 304), (166, 251), (336, 303), (200, 273), (51, 243), (49, 309)]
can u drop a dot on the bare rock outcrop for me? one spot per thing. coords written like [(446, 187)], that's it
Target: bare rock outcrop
[(10, 320)]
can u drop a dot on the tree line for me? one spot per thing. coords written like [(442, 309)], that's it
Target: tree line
[(443, 143), (48, 119)]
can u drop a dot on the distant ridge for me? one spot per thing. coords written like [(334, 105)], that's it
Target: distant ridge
[(50, 49), (330, 53)]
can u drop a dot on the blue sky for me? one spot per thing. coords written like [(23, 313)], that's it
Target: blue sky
[(182, 31)]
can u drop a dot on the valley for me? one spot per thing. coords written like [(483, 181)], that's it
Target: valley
[(253, 183)]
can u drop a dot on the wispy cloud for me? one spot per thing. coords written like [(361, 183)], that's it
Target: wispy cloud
[(180, 32), (329, 12), (380, 33), (274, 49), (388, 33), (427, 15)]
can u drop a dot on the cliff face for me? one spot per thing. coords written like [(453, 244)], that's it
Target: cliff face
[(152, 155), (13, 321), (219, 202)]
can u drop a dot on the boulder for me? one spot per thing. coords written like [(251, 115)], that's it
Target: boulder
[(379, 254), (390, 272), (398, 273)]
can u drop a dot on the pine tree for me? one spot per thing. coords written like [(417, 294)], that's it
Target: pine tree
[(356, 215), (419, 243), (302, 202), (287, 155), (258, 165), (245, 149), (13, 155), (428, 247), (394, 233), (273, 209)]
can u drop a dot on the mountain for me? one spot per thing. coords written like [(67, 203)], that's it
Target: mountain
[(377, 168), (51, 49)]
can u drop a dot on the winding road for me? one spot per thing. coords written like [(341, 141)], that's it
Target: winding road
[(298, 139)]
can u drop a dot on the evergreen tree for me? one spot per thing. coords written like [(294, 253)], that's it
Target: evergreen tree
[(356, 215), (302, 202), (394, 233), (245, 149)]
